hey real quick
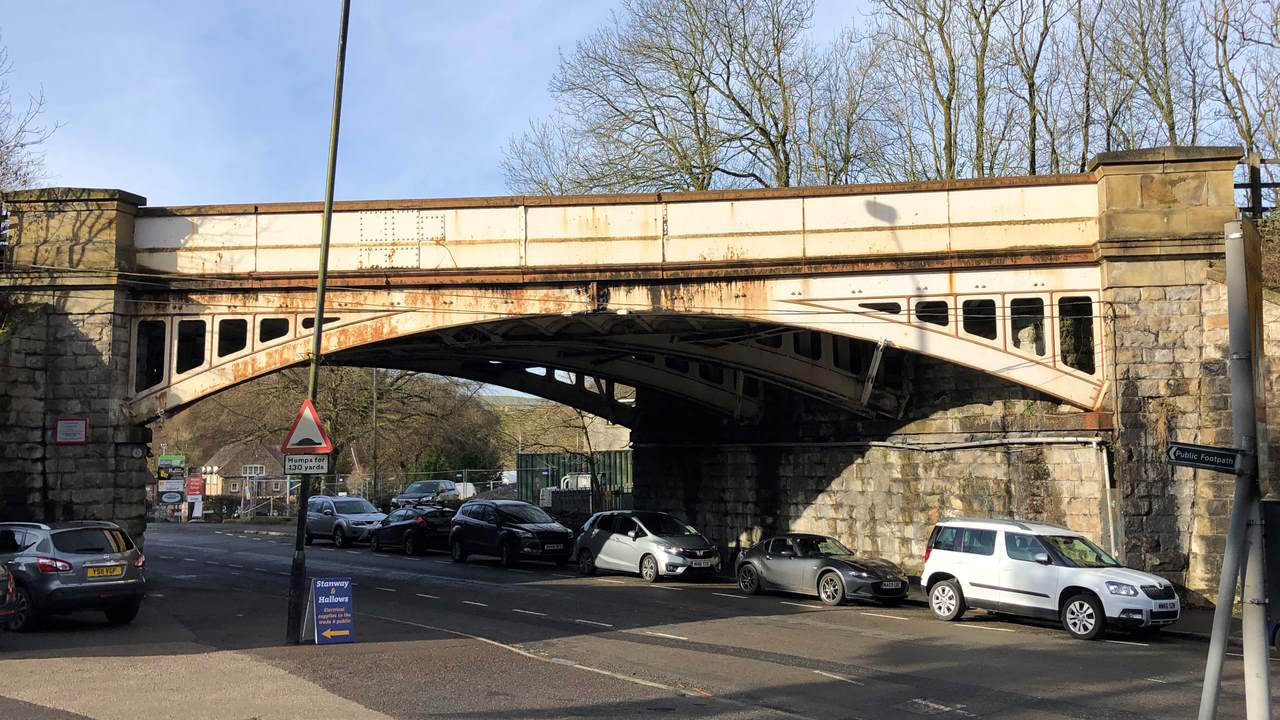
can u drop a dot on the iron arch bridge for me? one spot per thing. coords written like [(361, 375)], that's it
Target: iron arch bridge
[(706, 296)]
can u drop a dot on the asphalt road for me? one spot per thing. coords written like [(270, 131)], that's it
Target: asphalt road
[(439, 639)]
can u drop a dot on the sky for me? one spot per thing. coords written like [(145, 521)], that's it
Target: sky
[(226, 102)]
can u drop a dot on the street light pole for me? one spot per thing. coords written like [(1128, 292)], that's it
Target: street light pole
[(298, 572), (377, 489)]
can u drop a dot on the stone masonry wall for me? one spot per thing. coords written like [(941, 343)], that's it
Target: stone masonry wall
[(812, 468)]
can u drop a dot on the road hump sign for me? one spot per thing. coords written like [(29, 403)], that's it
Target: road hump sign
[(307, 434), (1225, 460)]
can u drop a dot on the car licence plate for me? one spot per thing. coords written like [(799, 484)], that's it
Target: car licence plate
[(891, 584), (97, 572), (1166, 606), (553, 546), (700, 563)]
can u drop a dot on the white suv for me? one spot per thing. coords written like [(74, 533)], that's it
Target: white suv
[(1040, 570)]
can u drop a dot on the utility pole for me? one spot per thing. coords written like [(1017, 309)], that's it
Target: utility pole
[(298, 572), (1242, 559)]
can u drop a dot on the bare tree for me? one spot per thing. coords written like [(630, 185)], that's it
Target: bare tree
[(21, 133), (1029, 24)]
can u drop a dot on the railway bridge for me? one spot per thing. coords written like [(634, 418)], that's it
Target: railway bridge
[(853, 360)]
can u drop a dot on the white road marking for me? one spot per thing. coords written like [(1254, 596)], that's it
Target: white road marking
[(384, 589), (983, 627), (841, 678), (526, 572), (184, 577), (233, 572), (1128, 642), (882, 615), (739, 597), (591, 622), (262, 569), (615, 582), (662, 635), (528, 612), (355, 552), (1157, 680), (429, 597), (155, 595), (927, 707), (210, 562), (188, 559), (563, 575), (665, 587), (803, 605), (472, 602), (235, 566), (281, 573)]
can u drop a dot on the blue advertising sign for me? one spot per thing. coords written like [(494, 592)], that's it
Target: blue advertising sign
[(333, 610)]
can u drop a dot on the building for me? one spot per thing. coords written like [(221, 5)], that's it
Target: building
[(255, 464)]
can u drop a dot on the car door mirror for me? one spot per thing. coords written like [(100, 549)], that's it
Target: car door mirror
[(785, 553), (631, 534), (385, 521), (328, 512), (1042, 558)]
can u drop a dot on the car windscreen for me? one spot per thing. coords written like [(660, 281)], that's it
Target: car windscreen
[(353, 507), (426, 486), (1079, 552), (664, 525), (524, 514), (820, 547), (92, 540)]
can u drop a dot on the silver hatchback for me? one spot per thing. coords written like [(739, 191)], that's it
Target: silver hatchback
[(653, 544), (85, 565)]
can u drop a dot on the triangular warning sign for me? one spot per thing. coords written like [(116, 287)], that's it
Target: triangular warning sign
[(307, 434)]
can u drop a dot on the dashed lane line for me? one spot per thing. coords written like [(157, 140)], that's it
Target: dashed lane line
[(587, 668), (528, 612), (803, 605), (663, 635), (563, 575), (834, 676), (429, 597), (473, 602), (1128, 642), (384, 589), (607, 580), (983, 627), (592, 622), (730, 595), (882, 615), (664, 587)]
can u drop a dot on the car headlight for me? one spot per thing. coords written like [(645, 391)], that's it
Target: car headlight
[(677, 552), (521, 533), (1118, 588), (860, 574)]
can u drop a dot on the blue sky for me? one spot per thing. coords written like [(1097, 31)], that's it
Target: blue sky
[(215, 102)]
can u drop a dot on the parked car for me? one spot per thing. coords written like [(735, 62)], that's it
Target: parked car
[(7, 595), (821, 566), (653, 544), (65, 567), (509, 529), (1041, 570), (344, 519), (413, 529), (435, 492)]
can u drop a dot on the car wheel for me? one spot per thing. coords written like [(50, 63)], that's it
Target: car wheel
[(456, 551), (24, 613), (339, 540), (586, 563), (945, 600), (123, 614), (1082, 616), (748, 579), (510, 553), (831, 589), (649, 569), (374, 545), (410, 544), (308, 538)]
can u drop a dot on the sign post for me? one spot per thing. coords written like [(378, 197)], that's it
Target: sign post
[(306, 453), (1242, 558)]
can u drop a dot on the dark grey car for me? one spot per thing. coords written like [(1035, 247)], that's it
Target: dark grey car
[(436, 492), (818, 565), (85, 565)]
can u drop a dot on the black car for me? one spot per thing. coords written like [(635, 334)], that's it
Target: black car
[(435, 492), (413, 529), (818, 565), (509, 529)]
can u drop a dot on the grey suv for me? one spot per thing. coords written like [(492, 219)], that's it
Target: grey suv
[(437, 492), (84, 565), (344, 519)]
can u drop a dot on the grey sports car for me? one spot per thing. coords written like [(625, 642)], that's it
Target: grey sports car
[(818, 565)]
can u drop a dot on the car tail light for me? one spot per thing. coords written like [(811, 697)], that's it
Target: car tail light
[(12, 589), (140, 562), (419, 520), (52, 565), (928, 549)]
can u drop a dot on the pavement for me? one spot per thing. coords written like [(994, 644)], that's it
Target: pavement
[(439, 639)]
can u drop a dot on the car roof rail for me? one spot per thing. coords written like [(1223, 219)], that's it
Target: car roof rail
[(996, 521), (33, 525)]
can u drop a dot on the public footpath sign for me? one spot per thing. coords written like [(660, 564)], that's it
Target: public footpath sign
[(333, 610), (1204, 456)]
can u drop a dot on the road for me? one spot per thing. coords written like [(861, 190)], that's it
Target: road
[(439, 639)]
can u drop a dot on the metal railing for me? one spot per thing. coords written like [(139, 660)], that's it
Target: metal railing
[(1254, 185)]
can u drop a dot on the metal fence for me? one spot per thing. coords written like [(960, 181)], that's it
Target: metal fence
[(535, 471)]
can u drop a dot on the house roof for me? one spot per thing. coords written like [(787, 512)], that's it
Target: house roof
[(230, 459)]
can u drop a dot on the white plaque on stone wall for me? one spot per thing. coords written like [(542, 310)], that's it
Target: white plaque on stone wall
[(71, 431)]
